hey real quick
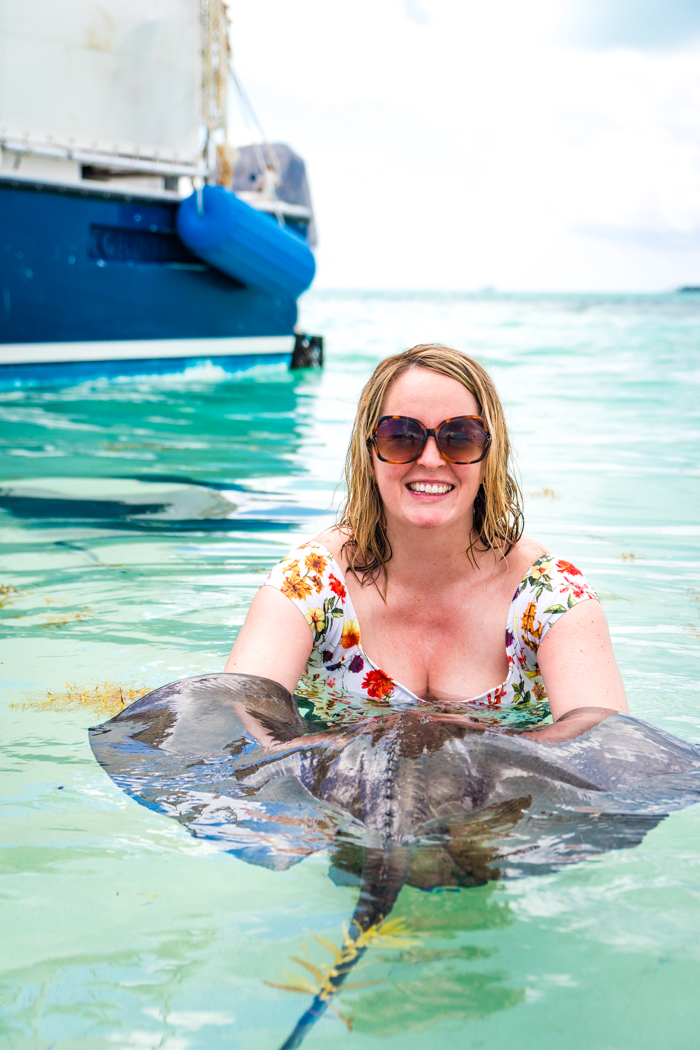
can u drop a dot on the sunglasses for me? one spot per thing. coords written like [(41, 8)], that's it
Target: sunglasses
[(401, 439)]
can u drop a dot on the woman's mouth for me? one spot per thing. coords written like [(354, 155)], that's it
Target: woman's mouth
[(430, 488)]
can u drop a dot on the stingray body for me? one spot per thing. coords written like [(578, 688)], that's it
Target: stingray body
[(401, 797)]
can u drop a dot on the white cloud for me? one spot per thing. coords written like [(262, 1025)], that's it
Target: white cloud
[(454, 144)]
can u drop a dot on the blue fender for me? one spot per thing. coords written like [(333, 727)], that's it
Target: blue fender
[(246, 244)]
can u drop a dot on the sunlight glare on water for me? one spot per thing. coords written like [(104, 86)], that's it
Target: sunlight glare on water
[(139, 518)]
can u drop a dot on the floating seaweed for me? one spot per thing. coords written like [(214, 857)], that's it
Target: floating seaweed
[(6, 590), (108, 698), (64, 618), (388, 933)]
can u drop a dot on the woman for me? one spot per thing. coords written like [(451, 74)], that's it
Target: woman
[(426, 592)]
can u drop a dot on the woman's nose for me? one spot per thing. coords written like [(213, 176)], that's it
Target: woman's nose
[(430, 456)]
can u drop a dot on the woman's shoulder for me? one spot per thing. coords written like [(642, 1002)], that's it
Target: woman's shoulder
[(333, 540), (525, 553), (549, 587), (528, 558), (552, 585)]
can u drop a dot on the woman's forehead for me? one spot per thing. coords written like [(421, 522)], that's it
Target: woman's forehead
[(422, 393)]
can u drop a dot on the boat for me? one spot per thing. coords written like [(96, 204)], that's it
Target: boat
[(115, 153)]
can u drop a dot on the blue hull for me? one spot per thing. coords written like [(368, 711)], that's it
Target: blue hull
[(66, 373), (85, 265)]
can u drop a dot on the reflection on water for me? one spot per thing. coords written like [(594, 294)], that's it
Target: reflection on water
[(138, 520), (135, 505)]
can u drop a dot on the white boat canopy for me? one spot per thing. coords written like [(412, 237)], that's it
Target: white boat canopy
[(116, 83)]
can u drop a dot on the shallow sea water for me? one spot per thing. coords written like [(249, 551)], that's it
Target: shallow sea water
[(121, 931)]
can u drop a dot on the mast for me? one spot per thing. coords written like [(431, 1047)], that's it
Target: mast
[(218, 154)]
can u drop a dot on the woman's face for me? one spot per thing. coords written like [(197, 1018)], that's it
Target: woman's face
[(408, 489)]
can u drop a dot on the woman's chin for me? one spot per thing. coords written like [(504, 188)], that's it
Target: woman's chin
[(427, 517)]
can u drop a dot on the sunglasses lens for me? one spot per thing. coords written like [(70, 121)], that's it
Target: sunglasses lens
[(463, 440), (398, 440)]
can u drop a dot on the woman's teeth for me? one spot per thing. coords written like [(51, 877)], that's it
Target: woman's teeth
[(433, 490)]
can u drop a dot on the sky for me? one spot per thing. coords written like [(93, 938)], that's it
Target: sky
[(552, 145)]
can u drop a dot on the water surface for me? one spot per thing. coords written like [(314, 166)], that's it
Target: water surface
[(139, 518)]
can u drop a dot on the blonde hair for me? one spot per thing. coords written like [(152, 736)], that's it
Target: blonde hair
[(498, 515)]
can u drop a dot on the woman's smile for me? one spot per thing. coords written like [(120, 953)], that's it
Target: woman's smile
[(429, 488)]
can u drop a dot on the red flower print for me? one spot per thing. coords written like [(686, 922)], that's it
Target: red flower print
[(579, 592), (336, 586), (378, 685), (498, 695), (568, 568)]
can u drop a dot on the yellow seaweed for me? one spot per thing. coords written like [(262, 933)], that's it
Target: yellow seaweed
[(6, 590), (61, 621), (106, 697), (390, 933)]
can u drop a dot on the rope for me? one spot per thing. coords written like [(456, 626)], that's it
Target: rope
[(251, 117), (272, 164)]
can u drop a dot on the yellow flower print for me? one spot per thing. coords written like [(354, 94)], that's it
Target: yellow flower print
[(528, 621), (316, 619), (316, 563), (293, 585), (538, 571), (351, 634), (317, 582), (539, 692)]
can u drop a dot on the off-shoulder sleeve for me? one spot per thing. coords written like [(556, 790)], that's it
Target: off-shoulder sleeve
[(551, 588)]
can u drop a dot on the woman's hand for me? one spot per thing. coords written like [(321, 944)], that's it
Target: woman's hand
[(570, 725), (266, 736)]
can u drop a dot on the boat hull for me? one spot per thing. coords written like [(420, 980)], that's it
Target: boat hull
[(30, 364), (79, 265)]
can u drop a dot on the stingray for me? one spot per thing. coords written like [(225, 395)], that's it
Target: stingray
[(398, 798)]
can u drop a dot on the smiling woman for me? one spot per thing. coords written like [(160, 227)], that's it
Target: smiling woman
[(429, 572)]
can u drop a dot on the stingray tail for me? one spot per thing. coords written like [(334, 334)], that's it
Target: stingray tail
[(384, 873), (305, 1023)]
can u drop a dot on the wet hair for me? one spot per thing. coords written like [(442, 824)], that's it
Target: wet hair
[(498, 515)]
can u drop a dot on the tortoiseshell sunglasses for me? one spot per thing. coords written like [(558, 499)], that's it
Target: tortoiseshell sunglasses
[(401, 439)]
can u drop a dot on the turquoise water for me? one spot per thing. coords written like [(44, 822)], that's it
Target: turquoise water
[(121, 931)]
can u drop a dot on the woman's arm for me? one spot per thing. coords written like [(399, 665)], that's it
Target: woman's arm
[(274, 642), (580, 673), (578, 664)]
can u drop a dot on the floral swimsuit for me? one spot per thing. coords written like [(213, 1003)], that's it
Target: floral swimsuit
[(340, 684)]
